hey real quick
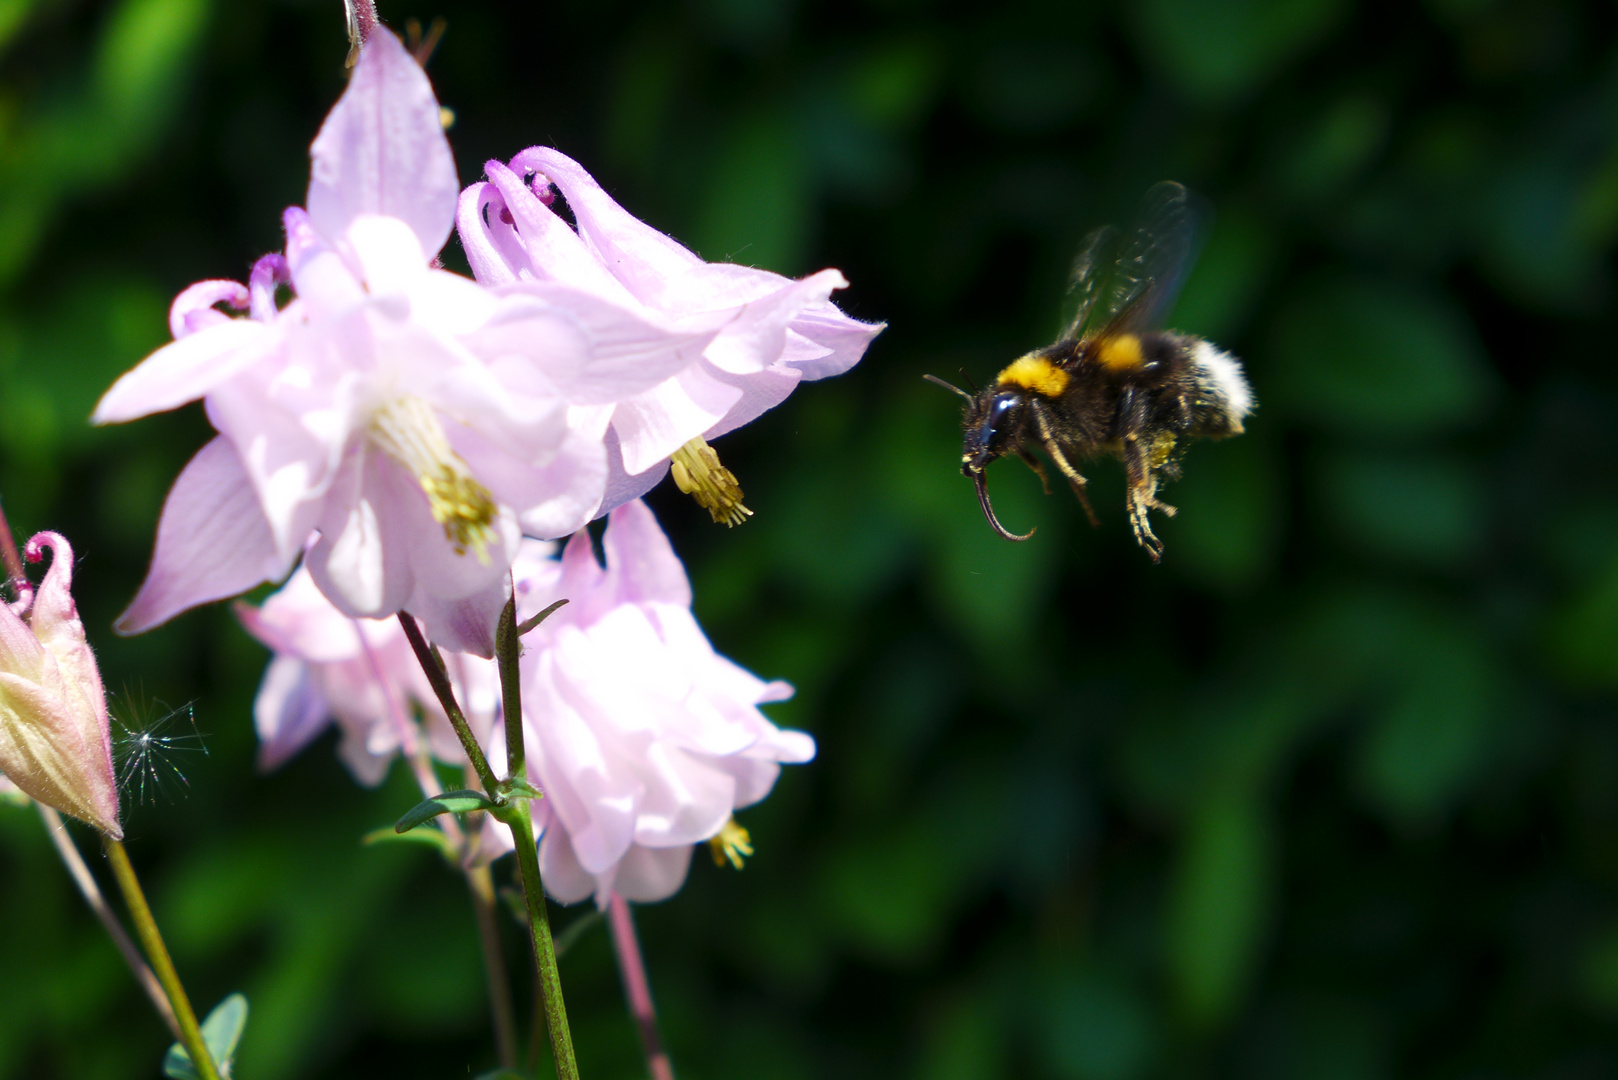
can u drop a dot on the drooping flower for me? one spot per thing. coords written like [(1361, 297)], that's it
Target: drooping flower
[(641, 737), (772, 332), (383, 410), (54, 739), (360, 674)]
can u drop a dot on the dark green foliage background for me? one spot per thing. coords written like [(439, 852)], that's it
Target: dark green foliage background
[(1332, 793)]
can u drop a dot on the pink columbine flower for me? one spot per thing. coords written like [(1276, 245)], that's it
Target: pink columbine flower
[(360, 674), (385, 409), (54, 742), (641, 737), (772, 332)]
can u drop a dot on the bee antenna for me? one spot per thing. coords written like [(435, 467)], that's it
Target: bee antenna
[(967, 379), (981, 478), (951, 387)]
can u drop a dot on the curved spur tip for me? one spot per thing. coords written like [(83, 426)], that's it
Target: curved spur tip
[(981, 479)]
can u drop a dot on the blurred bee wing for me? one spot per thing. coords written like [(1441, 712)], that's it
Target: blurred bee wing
[(1130, 285)]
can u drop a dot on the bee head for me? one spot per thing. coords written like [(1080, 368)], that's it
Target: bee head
[(993, 426), (994, 423)]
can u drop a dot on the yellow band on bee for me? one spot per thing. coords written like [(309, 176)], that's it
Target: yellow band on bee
[(1035, 373), (1121, 353)]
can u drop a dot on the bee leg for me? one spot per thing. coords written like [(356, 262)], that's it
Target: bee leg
[(1039, 469), (1143, 498), (1074, 478)]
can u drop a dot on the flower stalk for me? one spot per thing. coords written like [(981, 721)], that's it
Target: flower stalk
[(91, 892), (157, 952), (637, 988), (507, 651), (512, 808)]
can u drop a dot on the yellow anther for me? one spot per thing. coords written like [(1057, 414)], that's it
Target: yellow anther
[(732, 845), (697, 472), (408, 431)]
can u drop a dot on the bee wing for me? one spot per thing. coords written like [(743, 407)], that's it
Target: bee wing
[(1134, 289), (1087, 280)]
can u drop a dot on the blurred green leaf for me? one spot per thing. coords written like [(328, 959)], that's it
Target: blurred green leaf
[(1410, 505), (221, 1033), (757, 202), (433, 838), (1096, 1029), (1223, 892), (1220, 50), (450, 802), (1372, 358)]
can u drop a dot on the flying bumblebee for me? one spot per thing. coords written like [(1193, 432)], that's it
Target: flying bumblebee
[(1113, 383)]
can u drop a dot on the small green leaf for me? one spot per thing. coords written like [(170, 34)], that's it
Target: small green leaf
[(433, 838), (451, 802), (518, 788), (220, 1033)]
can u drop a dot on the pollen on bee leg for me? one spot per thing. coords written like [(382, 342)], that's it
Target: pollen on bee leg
[(408, 431), (697, 472), (731, 844)]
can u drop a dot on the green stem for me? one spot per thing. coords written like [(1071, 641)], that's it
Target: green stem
[(550, 977), (158, 954), (98, 904), (486, 908), (433, 667), (507, 651)]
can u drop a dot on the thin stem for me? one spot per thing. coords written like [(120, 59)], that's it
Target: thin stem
[(479, 882), (8, 552), (109, 920), (158, 954), (487, 909), (507, 651), (550, 977), (637, 990), (433, 666)]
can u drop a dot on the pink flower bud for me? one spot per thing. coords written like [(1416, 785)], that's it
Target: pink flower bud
[(54, 743)]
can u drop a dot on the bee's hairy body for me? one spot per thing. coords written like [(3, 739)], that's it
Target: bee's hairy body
[(1135, 397)]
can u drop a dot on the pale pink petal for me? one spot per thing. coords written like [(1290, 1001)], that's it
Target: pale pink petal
[(555, 252), (212, 541), (269, 273), (649, 874), (643, 560), (361, 561), (653, 425), (185, 370), (491, 244), (761, 392), (757, 335), (621, 486), (837, 341), (645, 260), (287, 712), (552, 499), (594, 351), (193, 309), (382, 150), (565, 880)]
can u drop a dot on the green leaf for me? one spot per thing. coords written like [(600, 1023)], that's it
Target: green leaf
[(433, 838), (451, 802), (220, 1033)]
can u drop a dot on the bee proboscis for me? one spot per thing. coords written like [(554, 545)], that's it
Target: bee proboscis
[(1112, 383)]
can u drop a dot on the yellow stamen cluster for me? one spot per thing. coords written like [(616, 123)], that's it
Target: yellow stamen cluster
[(408, 431), (731, 845), (697, 472)]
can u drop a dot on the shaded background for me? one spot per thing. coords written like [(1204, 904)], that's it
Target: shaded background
[(1333, 792)]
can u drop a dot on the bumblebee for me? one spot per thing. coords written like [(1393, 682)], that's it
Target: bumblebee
[(1113, 384)]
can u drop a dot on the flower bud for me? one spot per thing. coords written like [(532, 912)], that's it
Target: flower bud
[(54, 742)]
